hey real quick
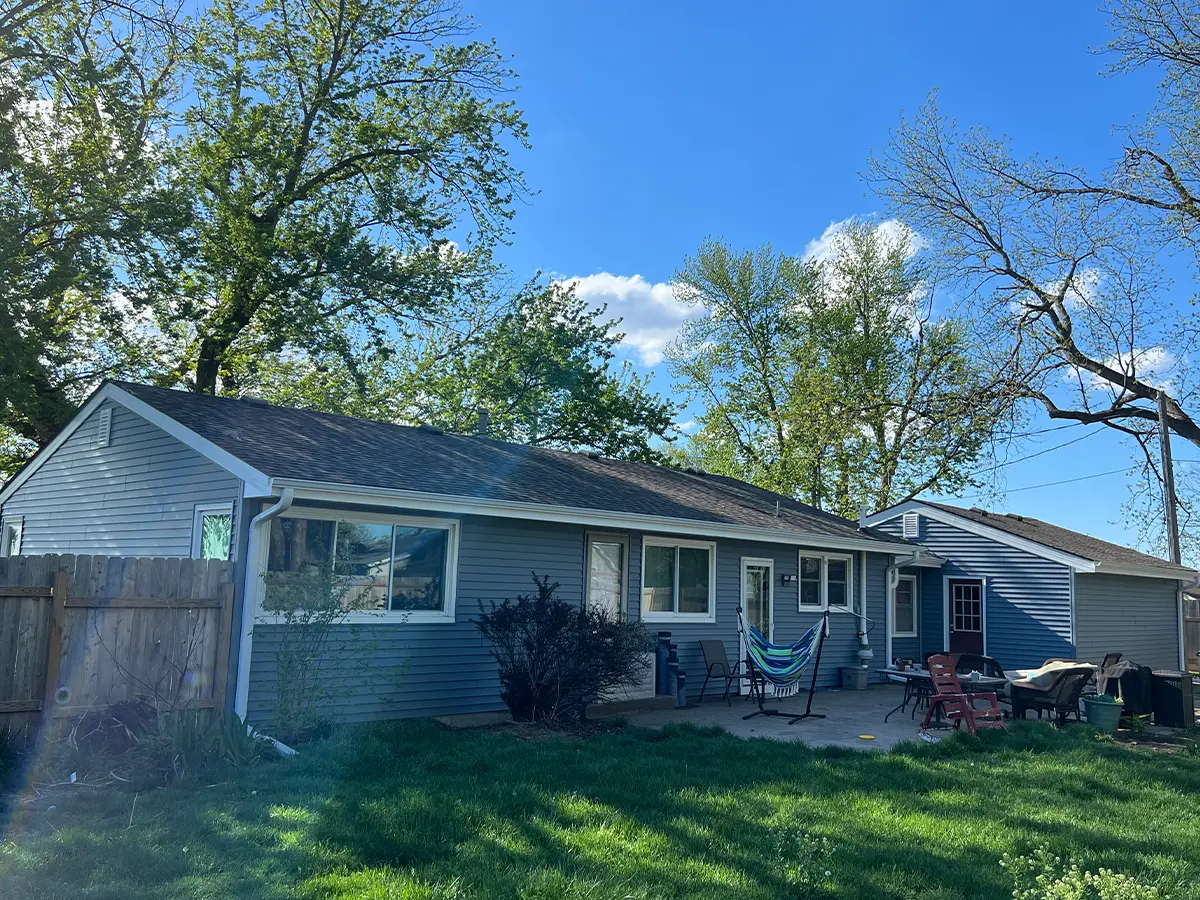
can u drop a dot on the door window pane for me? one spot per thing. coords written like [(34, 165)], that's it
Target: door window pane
[(905, 616), (693, 580), (606, 569), (418, 568), (658, 579)]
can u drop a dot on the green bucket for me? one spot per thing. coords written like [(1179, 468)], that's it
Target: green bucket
[(1103, 711)]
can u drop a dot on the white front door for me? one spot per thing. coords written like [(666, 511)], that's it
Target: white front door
[(758, 598)]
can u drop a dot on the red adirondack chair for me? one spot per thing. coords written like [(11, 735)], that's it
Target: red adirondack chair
[(957, 705)]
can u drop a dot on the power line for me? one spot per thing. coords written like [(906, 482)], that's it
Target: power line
[(1033, 487), (1012, 462)]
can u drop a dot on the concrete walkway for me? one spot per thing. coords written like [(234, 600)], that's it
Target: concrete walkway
[(850, 714)]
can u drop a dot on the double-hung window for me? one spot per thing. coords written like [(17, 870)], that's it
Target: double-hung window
[(904, 607), (678, 580), (826, 579), (374, 565)]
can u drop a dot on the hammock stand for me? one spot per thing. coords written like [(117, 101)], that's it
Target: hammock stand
[(793, 660)]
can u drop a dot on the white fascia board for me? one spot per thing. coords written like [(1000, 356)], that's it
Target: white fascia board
[(1078, 563), (256, 483), (593, 518), (48, 451)]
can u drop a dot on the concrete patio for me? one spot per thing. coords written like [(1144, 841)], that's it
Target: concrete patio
[(849, 714)]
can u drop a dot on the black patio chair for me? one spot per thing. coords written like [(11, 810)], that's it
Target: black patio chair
[(1060, 699), (716, 665), (976, 662)]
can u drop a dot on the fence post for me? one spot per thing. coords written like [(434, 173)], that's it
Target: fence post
[(223, 645), (58, 612)]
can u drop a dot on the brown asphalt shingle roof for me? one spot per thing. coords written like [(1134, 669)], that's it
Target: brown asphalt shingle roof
[(341, 450), (1057, 538)]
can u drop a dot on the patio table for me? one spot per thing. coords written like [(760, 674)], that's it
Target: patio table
[(918, 686)]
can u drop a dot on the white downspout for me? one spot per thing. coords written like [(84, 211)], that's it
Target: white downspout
[(864, 646), (893, 579), (241, 699)]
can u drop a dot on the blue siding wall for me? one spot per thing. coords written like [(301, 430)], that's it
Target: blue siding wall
[(135, 497), (384, 671), (1028, 598)]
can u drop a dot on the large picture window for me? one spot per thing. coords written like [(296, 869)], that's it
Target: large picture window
[(379, 565), (678, 580), (826, 579)]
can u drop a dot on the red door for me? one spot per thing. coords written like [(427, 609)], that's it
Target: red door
[(965, 603)]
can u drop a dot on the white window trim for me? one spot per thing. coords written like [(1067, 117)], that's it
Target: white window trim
[(199, 511), (606, 537), (708, 617), (444, 616), (916, 608), (847, 558), (17, 524)]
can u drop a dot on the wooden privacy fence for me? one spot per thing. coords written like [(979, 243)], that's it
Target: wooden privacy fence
[(85, 632)]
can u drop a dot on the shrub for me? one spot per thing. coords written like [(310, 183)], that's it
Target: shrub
[(557, 657), (1041, 875)]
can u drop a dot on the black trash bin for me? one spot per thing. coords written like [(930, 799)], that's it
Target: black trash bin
[(1172, 696)]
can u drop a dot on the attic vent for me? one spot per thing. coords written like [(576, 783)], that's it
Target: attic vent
[(694, 470), (257, 401), (1015, 516), (429, 429), (912, 525), (104, 429), (592, 454)]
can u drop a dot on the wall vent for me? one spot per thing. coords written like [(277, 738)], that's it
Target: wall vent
[(912, 525), (104, 429)]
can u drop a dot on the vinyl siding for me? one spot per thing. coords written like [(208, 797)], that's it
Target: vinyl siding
[(1138, 617), (135, 497), (1028, 598), (380, 671), (396, 670), (841, 647)]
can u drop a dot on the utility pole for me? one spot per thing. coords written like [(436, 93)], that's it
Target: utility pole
[(1164, 443)]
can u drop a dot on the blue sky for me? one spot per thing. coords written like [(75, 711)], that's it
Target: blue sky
[(656, 124)]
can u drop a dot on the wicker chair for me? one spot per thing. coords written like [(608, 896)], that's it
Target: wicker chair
[(1060, 699)]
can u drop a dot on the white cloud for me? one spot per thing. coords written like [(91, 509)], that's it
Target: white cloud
[(1152, 365), (686, 427), (821, 249), (650, 313)]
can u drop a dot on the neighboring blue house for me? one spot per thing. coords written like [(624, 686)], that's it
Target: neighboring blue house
[(1023, 591), (433, 526)]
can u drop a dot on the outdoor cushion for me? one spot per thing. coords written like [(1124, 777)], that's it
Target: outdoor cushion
[(1047, 676)]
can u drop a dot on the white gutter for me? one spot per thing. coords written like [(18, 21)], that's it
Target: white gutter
[(241, 698), (598, 518), (893, 579)]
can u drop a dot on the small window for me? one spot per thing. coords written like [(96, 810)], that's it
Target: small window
[(212, 532), (10, 537), (825, 580), (606, 574), (904, 608), (677, 580), (912, 525), (374, 566)]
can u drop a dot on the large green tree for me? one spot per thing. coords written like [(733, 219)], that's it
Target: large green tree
[(84, 212), (334, 147), (540, 366), (831, 380), (1061, 268)]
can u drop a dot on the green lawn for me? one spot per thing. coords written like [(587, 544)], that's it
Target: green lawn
[(415, 810)]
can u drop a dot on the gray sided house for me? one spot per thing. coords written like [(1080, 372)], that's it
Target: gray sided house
[(429, 528), (1024, 591)]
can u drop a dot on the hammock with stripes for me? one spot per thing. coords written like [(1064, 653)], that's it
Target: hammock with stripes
[(779, 665)]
